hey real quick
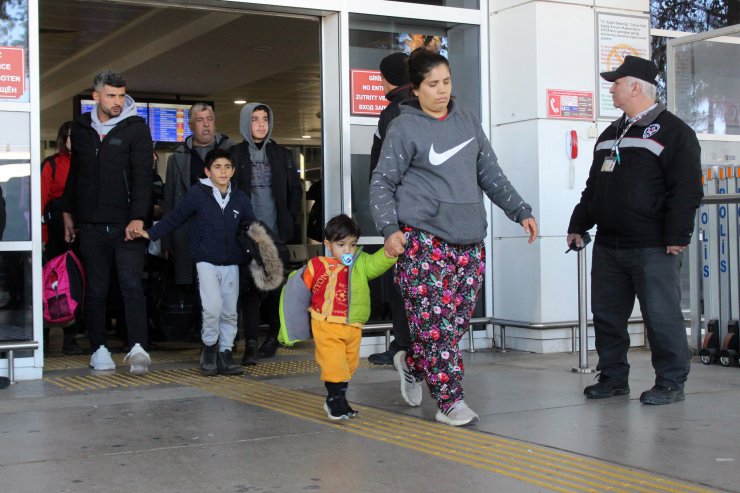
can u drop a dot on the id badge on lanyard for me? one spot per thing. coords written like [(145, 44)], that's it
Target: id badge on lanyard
[(608, 165)]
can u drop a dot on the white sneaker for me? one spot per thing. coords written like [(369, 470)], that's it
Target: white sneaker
[(102, 360), (139, 360), (410, 389), (459, 414)]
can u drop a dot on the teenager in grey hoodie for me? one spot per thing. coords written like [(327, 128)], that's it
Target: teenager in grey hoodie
[(426, 197), (266, 172)]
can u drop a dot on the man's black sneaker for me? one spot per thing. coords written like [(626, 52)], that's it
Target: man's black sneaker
[(384, 358), (607, 387), (336, 408), (660, 394)]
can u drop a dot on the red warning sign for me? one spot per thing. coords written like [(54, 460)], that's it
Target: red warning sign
[(12, 72), (578, 105), (368, 97)]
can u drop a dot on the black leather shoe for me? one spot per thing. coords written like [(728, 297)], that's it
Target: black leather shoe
[(661, 394), (250, 353), (384, 358), (269, 347), (607, 387)]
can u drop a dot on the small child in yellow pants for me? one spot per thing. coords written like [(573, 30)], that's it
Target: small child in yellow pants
[(340, 306)]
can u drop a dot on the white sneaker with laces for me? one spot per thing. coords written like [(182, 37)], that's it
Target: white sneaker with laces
[(459, 414), (410, 389), (139, 360), (102, 360)]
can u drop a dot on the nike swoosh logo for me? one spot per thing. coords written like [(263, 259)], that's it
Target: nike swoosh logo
[(436, 159)]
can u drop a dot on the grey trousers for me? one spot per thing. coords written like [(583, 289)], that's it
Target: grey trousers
[(219, 291)]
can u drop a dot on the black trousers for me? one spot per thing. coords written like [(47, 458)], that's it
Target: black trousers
[(101, 247), (617, 276), (256, 306)]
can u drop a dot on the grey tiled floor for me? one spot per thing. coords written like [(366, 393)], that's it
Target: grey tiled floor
[(183, 438)]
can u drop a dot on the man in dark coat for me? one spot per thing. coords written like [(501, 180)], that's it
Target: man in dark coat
[(184, 167), (106, 199), (642, 193)]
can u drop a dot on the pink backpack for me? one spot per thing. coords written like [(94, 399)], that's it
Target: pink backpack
[(63, 289)]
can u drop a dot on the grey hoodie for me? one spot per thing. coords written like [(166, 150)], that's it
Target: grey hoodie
[(432, 174), (260, 193), (129, 109)]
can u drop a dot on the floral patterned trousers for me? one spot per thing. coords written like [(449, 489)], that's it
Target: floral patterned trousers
[(439, 283)]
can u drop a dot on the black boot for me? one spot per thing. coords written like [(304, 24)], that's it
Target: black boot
[(226, 365), (208, 365), (250, 353), (69, 343), (269, 347)]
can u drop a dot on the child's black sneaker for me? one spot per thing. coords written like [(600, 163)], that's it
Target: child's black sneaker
[(336, 408), (352, 413)]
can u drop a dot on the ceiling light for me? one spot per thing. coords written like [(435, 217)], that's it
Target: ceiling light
[(240, 101), (306, 136)]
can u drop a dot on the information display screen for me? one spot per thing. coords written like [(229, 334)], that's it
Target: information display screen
[(168, 121)]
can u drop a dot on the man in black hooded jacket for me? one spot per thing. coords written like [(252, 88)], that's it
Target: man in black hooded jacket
[(106, 199)]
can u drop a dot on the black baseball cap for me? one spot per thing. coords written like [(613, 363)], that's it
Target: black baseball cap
[(633, 66)]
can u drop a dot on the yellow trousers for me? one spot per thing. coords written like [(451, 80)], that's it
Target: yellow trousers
[(337, 350)]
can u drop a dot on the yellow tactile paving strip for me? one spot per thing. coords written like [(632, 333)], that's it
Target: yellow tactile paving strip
[(550, 469), (121, 378), (187, 355)]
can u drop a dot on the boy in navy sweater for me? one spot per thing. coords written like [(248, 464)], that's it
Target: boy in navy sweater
[(217, 211)]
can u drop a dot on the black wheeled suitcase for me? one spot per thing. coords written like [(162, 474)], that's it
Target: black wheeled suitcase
[(175, 309)]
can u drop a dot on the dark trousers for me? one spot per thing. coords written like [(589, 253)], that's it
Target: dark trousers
[(256, 306), (102, 246), (617, 276)]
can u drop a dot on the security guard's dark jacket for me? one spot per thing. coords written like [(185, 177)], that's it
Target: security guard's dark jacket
[(650, 197), (110, 181)]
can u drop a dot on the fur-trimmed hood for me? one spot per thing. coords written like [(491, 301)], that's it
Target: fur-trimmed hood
[(266, 267)]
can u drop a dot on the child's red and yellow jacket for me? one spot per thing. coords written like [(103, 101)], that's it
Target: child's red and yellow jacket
[(324, 289)]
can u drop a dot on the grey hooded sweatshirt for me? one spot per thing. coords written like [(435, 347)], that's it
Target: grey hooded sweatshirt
[(260, 192), (432, 174), (129, 109)]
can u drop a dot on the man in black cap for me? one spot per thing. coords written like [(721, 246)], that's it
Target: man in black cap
[(642, 194), (395, 74)]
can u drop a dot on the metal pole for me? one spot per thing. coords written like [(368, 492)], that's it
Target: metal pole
[(582, 315), (471, 343), (696, 282), (11, 366), (503, 339)]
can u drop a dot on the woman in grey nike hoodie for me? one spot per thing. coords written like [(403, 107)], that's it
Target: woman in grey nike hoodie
[(426, 197)]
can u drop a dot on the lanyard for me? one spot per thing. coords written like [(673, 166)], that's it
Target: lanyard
[(631, 121)]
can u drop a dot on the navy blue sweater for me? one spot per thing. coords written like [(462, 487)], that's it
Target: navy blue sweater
[(212, 230)]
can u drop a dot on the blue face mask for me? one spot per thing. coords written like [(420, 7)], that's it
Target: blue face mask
[(347, 259)]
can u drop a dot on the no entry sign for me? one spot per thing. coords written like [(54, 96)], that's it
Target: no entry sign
[(12, 72)]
